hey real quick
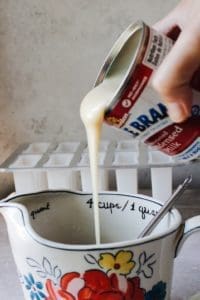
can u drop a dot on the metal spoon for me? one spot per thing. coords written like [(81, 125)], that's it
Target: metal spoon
[(166, 207)]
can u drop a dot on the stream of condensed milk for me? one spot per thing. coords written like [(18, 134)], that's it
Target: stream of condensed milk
[(92, 111)]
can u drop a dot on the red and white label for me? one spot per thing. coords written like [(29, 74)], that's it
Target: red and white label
[(141, 113)]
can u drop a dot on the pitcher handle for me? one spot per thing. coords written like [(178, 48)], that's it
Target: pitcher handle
[(191, 226)]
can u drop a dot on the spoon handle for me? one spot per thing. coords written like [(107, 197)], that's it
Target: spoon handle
[(166, 207)]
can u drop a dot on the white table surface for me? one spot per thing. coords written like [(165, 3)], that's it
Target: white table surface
[(186, 279)]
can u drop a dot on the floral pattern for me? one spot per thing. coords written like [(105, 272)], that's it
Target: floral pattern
[(34, 287), (45, 269), (121, 263), (158, 292), (113, 278), (95, 285), (146, 264)]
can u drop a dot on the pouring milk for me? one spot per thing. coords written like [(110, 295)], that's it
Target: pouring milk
[(92, 112), (93, 108)]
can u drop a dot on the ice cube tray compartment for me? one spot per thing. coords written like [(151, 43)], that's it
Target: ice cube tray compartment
[(85, 173), (35, 148), (25, 161), (126, 179), (67, 147)]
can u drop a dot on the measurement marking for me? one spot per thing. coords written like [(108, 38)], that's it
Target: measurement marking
[(125, 205)]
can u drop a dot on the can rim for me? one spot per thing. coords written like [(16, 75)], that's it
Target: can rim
[(114, 52)]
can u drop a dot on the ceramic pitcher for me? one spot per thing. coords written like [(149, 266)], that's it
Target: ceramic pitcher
[(52, 239)]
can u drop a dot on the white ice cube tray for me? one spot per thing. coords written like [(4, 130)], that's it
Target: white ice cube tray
[(41, 166)]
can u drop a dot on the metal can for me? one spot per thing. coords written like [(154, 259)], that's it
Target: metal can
[(135, 107)]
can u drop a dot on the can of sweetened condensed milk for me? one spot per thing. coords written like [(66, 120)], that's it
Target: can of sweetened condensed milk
[(135, 107)]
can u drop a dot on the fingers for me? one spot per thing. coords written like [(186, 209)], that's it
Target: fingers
[(172, 79), (166, 24)]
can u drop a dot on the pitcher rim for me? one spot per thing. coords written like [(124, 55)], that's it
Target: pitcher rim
[(91, 247)]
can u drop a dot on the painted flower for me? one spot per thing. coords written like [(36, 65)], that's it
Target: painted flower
[(35, 287), (100, 286), (158, 292), (70, 285), (95, 285), (121, 263)]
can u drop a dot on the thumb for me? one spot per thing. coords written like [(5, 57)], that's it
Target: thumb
[(173, 77)]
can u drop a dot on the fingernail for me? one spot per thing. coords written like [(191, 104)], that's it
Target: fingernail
[(177, 112)]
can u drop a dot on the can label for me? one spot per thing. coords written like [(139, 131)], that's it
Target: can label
[(141, 113)]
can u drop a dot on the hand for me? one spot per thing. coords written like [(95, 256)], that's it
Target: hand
[(180, 69)]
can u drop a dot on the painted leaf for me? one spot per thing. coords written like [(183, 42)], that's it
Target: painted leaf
[(90, 259), (32, 263), (47, 266), (57, 272), (146, 265)]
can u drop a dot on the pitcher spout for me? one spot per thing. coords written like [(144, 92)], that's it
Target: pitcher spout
[(16, 218), (13, 214)]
